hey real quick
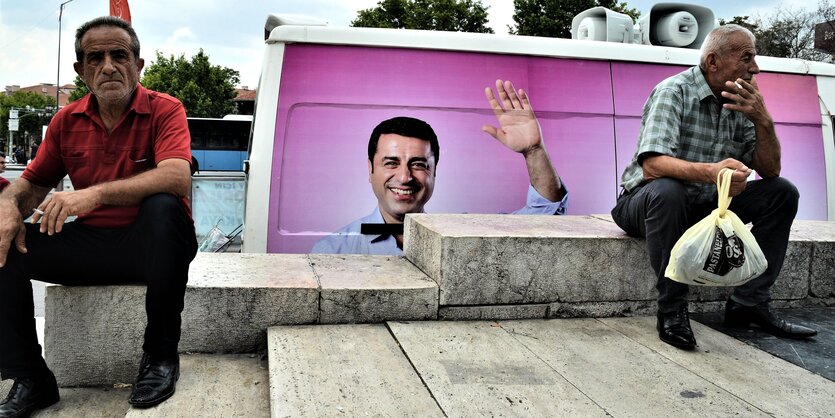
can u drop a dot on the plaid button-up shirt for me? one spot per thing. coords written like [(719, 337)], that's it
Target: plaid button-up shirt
[(683, 119)]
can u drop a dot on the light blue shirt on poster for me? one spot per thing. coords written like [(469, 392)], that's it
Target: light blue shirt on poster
[(349, 240)]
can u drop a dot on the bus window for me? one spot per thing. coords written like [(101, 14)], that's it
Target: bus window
[(219, 144)]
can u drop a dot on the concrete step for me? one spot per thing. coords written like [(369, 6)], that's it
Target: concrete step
[(351, 370), (94, 334), (562, 367), (579, 266), (209, 386)]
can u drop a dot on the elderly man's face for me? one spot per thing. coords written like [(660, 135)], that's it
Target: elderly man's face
[(402, 175), (739, 62), (109, 68)]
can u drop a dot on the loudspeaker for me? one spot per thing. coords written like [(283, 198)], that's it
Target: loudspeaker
[(602, 24), (676, 24)]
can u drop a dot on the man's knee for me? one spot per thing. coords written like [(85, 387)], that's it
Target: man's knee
[(161, 205), (783, 189)]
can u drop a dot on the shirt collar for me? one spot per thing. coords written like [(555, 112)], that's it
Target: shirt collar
[(702, 88), (140, 103)]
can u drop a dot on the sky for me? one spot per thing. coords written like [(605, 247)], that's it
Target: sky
[(229, 31)]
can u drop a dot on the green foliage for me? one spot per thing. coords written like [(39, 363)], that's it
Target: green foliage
[(206, 90), (80, 91), (445, 15), (789, 33), (553, 18), (32, 118)]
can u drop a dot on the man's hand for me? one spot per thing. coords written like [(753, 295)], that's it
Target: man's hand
[(11, 229), (747, 99), (519, 130), (738, 180), (61, 205)]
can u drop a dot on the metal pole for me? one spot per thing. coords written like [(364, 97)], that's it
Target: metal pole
[(58, 77)]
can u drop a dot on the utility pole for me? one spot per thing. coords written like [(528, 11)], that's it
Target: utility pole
[(58, 77)]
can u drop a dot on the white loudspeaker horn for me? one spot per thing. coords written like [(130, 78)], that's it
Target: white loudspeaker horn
[(602, 24), (676, 24)]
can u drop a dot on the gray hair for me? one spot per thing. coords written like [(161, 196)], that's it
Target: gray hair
[(718, 41), (105, 21)]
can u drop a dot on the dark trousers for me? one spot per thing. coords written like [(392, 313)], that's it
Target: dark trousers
[(155, 250), (661, 211)]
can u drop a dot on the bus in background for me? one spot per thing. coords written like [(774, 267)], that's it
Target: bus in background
[(323, 89), (220, 144)]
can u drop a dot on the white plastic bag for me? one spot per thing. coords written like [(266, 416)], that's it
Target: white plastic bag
[(719, 250)]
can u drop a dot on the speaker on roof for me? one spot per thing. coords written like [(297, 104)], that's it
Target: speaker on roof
[(602, 24), (676, 24)]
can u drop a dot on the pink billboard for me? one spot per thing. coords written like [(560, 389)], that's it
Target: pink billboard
[(331, 97)]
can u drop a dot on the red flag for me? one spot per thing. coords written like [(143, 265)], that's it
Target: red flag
[(120, 9)]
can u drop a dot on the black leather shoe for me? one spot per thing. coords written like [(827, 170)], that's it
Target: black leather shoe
[(155, 382), (674, 329), (29, 394), (741, 316)]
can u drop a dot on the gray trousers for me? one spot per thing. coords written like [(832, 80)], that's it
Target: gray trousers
[(661, 211)]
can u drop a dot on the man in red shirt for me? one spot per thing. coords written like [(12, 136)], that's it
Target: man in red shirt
[(127, 152)]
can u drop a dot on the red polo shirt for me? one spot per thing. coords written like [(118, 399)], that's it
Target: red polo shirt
[(153, 129), (3, 183)]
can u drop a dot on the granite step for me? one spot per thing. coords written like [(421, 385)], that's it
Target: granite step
[(546, 367)]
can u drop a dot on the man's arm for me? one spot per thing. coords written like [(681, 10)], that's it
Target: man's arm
[(657, 166), (519, 131), (16, 203), (748, 100), (171, 176)]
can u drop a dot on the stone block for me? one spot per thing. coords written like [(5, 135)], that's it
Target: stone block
[(356, 289), (492, 312), (821, 235), (93, 334), (519, 259)]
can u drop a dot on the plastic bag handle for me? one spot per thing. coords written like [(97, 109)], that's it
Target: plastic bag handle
[(723, 187)]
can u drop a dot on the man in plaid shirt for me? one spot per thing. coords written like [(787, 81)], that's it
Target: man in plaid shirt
[(694, 124)]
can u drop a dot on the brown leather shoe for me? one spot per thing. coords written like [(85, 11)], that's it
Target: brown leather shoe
[(763, 316)]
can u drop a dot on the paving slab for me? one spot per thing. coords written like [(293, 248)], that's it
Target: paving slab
[(815, 354), (351, 370), (216, 386), (94, 334), (765, 382), (479, 369), (358, 289), (625, 378), (511, 259), (98, 402)]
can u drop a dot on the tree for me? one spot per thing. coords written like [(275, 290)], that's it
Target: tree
[(206, 90), (446, 15), (553, 18), (34, 114), (80, 91), (789, 33)]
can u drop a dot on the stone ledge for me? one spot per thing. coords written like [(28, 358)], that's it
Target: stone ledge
[(93, 335), (506, 260)]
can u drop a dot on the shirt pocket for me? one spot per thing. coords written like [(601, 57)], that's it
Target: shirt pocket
[(139, 160), (77, 162)]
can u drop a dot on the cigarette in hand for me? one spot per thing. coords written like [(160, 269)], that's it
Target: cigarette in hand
[(38, 211), (739, 86)]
